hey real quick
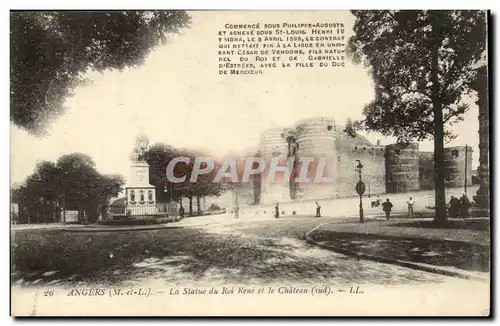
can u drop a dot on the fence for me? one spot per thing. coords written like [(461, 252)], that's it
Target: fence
[(146, 211)]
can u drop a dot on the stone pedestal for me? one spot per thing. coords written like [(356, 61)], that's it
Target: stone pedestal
[(141, 196)]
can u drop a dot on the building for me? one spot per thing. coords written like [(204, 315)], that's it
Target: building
[(394, 168)]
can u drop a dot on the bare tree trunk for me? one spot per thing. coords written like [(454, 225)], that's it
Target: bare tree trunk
[(198, 205), (190, 205), (439, 186)]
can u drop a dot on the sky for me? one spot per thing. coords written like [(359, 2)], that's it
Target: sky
[(177, 97)]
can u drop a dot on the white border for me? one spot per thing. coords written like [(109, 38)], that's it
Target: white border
[(189, 4)]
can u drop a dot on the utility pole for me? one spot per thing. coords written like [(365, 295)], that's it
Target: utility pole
[(466, 159)]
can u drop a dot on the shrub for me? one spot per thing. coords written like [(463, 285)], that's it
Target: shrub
[(214, 207)]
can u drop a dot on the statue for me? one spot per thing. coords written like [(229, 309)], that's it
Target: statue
[(141, 144)]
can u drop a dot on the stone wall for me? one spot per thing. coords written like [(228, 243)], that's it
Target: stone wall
[(372, 158), (315, 138), (456, 160), (402, 170), (273, 145), (426, 170)]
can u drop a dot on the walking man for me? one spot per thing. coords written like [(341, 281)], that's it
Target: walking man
[(410, 203), (387, 207), (318, 210), (277, 211)]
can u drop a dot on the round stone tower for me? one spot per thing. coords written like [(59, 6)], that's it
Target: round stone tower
[(456, 163), (273, 145), (315, 137), (402, 169)]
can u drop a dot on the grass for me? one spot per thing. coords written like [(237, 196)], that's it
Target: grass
[(470, 224)]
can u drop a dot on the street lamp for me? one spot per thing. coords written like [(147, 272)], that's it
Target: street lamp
[(360, 189), (169, 188)]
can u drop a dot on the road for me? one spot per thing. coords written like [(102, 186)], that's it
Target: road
[(348, 207), (207, 250)]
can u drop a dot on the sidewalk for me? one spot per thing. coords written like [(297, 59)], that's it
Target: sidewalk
[(197, 221), (461, 248)]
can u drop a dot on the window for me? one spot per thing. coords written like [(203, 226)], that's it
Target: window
[(454, 153), (329, 128), (141, 195), (132, 196), (338, 158), (150, 195)]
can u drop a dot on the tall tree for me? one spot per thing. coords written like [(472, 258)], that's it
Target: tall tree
[(72, 182), (422, 63), (159, 156), (51, 52)]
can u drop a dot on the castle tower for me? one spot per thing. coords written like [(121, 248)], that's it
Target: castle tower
[(402, 170), (457, 164), (273, 145), (315, 137)]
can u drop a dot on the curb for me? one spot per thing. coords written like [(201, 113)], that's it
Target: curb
[(110, 229), (380, 259)]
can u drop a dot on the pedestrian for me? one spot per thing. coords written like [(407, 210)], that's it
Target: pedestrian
[(464, 206), (410, 203), (454, 207), (277, 211), (181, 211), (318, 210), (387, 207)]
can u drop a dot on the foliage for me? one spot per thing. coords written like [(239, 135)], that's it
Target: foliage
[(214, 207), (422, 63), (70, 183), (52, 51), (159, 156), (396, 45)]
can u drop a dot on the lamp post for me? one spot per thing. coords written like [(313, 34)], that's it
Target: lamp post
[(360, 189), (169, 188)]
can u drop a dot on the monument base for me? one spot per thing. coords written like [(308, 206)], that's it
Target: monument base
[(482, 201)]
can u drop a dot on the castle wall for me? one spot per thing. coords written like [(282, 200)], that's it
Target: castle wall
[(372, 158), (426, 170), (455, 165), (402, 170), (386, 169), (316, 138)]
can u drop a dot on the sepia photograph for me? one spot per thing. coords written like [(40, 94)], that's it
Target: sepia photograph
[(250, 163)]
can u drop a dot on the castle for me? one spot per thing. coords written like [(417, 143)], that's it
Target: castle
[(393, 168)]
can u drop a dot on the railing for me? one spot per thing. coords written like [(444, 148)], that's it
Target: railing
[(139, 211)]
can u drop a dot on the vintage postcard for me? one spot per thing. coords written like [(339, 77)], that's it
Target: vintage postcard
[(250, 163)]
